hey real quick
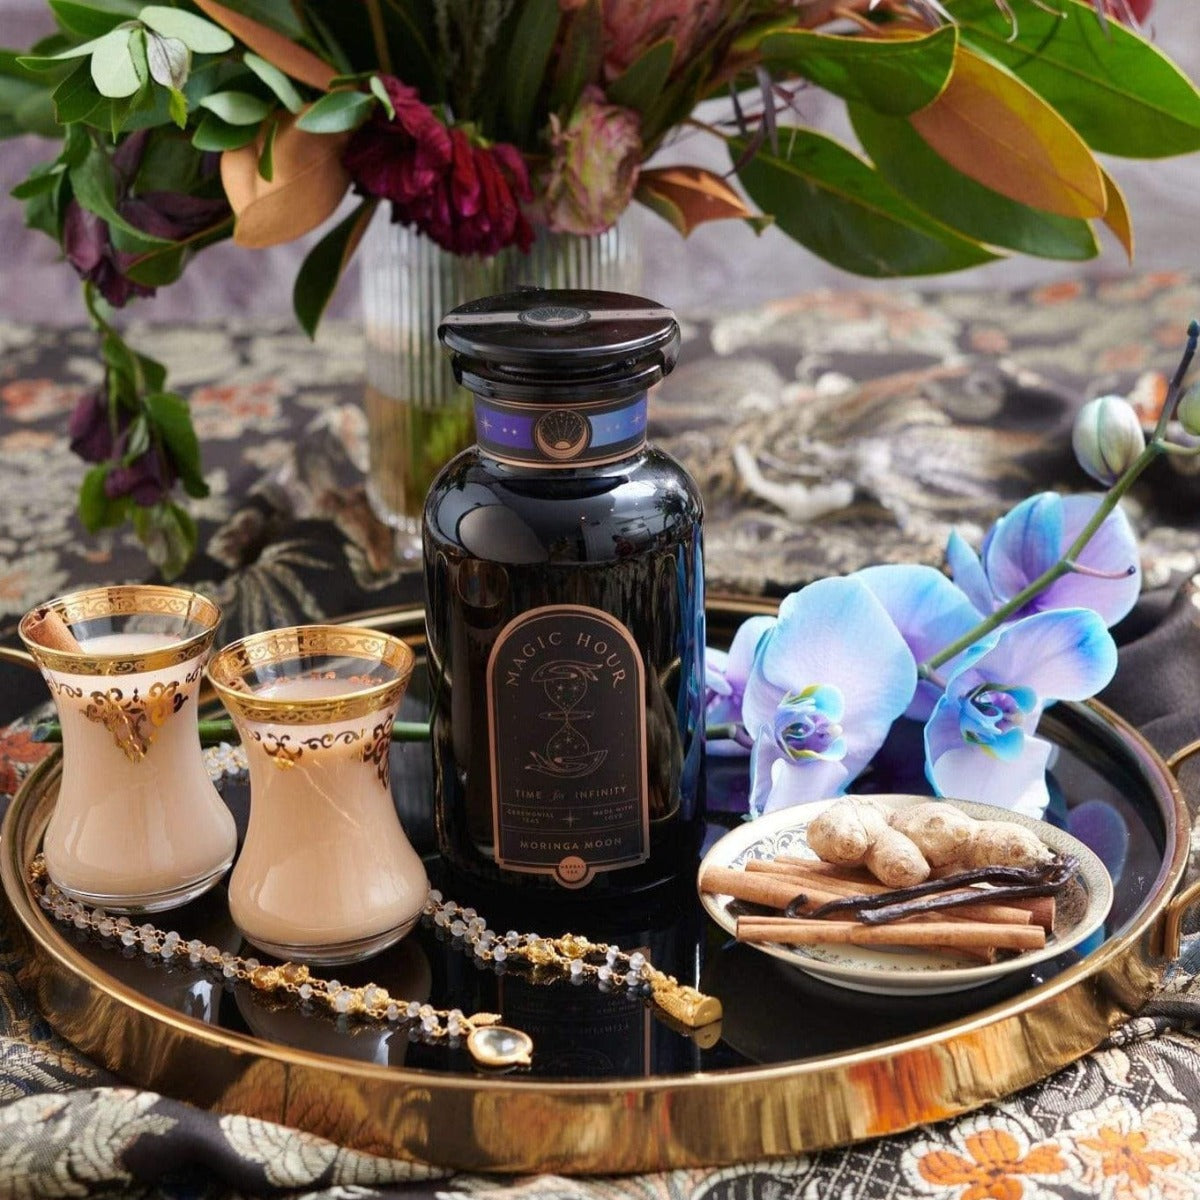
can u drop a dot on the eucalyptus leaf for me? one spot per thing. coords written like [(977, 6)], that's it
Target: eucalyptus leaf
[(113, 69), (276, 80), (236, 108), (907, 162), (76, 98), (891, 75), (337, 112), (169, 60), (95, 17), (1122, 94), (197, 34), (829, 200), (214, 134)]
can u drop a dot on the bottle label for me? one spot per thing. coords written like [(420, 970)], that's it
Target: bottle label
[(575, 435), (567, 730)]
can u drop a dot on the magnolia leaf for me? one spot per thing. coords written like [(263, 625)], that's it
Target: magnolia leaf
[(236, 108), (113, 70), (896, 76), (911, 166), (276, 80), (169, 60), (323, 267), (308, 185), (214, 134), (1123, 95), (1117, 216), (275, 48), (689, 196), (528, 56), (197, 34), (642, 82), (998, 131), (336, 112), (828, 199), (94, 18)]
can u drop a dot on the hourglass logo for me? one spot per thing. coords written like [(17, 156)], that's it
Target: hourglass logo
[(567, 752)]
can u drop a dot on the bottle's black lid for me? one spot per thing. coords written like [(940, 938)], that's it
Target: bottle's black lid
[(559, 343)]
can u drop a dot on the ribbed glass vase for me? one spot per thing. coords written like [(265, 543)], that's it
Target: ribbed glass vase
[(418, 418)]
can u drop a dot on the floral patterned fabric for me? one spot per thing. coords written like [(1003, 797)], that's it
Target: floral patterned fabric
[(827, 431)]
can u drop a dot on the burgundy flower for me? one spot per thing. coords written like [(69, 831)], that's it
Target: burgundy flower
[(147, 480), (91, 430), (90, 251), (464, 197)]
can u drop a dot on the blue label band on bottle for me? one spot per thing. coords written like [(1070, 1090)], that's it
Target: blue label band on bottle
[(570, 436)]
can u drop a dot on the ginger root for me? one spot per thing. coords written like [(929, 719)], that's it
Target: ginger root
[(901, 847), (855, 830), (947, 837)]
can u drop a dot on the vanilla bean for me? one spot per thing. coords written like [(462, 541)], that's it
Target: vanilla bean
[(1009, 883)]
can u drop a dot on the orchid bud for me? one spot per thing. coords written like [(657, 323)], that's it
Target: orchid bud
[(1107, 438), (1188, 412)]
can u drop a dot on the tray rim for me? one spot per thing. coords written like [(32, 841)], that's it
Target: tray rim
[(55, 954)]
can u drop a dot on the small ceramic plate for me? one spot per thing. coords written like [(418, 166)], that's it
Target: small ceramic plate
[(1081, 908)]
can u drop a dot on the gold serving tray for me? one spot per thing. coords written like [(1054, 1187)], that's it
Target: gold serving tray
[(513, 1123)]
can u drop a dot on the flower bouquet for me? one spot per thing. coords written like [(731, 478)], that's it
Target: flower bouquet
[(479, 121)]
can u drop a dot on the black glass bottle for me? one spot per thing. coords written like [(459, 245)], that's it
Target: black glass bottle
[(564, 604)]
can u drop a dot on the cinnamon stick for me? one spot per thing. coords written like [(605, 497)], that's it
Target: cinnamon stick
[(932, 935), (48, 629), (802, 877)]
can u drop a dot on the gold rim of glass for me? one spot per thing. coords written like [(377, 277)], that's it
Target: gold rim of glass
[(229, 666), (125, 600)]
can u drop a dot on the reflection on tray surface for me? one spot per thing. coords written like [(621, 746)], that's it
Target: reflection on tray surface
[(772, 1013)]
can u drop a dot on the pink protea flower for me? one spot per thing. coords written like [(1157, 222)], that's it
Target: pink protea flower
[(593, 166)]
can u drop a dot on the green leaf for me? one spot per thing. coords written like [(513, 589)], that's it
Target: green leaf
[(158, 270), (113, 69), (215, 134), (35, 185), (1122, 94), (96, 510), (642, 82), (168, 534), (911, 166), (891, 75), (336, 112), (137, 440), (236, 108), (169, 60), (276, 80), (76, 98), (94, 187), (528, 56), (169, 164), (580, 58), (35, 114), (266, 160), (380, 92), (832, 202), (323, 267), (197, 34), (94, 18), (177, 105), (172, 421), (51, 62)]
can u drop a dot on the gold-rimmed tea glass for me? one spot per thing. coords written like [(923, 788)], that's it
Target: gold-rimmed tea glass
[(326, 873), (138, 825)]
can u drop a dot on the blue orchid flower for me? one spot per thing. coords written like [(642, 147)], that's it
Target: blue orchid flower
[(828, 680), (725, 676), (929, 611), (979, 742), (1031, 538)]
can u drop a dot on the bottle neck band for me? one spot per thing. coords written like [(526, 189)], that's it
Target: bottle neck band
[(569, 435)]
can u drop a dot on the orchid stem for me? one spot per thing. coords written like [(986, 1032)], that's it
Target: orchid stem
[(1069, 561)]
